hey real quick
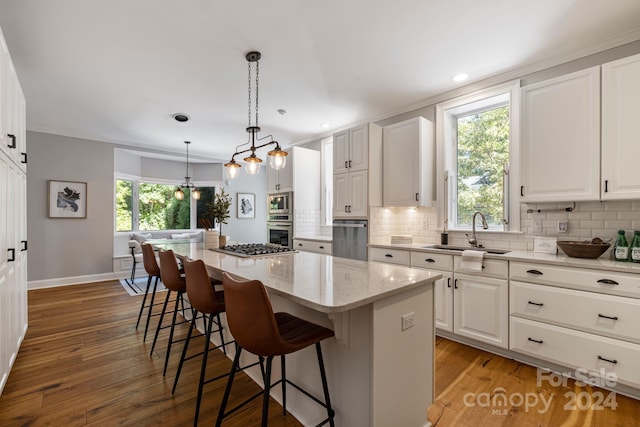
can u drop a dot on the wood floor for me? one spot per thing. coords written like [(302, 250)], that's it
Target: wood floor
[(83, 363)]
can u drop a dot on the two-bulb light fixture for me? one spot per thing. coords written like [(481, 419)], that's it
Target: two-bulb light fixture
[(277, 157), (179, 193)]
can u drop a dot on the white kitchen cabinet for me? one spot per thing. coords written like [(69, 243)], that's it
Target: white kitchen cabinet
[(577, 317), (356, 188), (443, 288), (560, 138), (311, 245), (351, 149), (408, 163), (13, 218), (480, 307), (281, 180), (620, 129), (391, 256)]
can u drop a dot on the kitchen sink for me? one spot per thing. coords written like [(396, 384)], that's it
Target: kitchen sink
[(464, 248)]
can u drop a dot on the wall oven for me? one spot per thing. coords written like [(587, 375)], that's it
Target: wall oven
[(280, 204), (280, 233)]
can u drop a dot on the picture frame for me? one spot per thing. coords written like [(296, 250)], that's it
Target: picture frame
[(67, 199), (246, 205)]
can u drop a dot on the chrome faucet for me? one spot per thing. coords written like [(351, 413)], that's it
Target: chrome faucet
[(473, 241)]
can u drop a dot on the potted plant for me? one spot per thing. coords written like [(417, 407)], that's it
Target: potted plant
[(218, 210)]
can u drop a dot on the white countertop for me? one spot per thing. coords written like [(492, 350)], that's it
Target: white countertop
[(322, 282), (601, 263)]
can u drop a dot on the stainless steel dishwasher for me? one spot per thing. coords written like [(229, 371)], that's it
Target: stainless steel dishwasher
[(350, 238)]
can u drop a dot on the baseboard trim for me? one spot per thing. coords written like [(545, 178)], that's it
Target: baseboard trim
[(75, 280)]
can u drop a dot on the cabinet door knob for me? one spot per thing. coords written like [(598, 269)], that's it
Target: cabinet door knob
[(417, 197), (536, 341), (299, 244), (448, 282), (24, 158), (321, 247), (345, 209), (536, 272), (13, 141), (346, 164), (522, 190), (349, 163), (455, 284), (606, 185), (608, 282), (12, 257), (24, 245)]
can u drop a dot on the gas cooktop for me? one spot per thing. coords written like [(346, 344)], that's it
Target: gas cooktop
[(255, 249)]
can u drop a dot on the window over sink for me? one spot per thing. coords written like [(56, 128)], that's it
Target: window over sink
[(478, 142)]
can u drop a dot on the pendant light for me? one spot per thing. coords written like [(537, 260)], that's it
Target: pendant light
[(277, 157), (179, 193)]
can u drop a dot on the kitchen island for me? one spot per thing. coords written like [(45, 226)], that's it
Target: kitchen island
[(380, 365)]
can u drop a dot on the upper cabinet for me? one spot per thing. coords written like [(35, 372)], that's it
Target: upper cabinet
[(301, 175), (620, 129), (12, 111), (408, 163), (357, 167), (560, 144)]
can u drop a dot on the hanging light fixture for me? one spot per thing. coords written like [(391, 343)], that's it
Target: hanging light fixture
[(277, 157), (179, 193)]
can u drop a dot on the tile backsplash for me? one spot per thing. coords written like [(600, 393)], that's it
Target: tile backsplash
[(307, 224), (586, 221)]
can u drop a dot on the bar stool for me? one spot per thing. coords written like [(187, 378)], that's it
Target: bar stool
[(259, 331), (174, 282), (206, 300), (136, 256), (152, 269)]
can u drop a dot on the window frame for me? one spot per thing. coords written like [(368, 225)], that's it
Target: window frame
[(446, 144)]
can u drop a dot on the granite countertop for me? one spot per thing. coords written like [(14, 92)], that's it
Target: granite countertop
[(321, 282), (601, 263)]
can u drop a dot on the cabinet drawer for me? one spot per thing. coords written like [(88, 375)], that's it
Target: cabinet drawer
[(312, 246), (393, 256), (609, 282), (432, 261), (490, 268), (577, 349), (611, 316)]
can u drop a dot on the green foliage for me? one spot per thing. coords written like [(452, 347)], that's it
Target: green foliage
[(483, 150), (218, 209), (124, 206), (160, 210)]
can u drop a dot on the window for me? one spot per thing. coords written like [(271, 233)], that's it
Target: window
[(148, 206), (478, 137)]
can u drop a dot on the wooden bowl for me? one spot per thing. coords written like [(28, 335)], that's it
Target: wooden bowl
[(583, 249)]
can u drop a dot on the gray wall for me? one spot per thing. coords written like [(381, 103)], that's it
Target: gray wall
[(248, 230), (69, 247)]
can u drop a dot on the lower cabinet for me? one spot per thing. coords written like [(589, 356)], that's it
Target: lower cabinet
[(317, 246)]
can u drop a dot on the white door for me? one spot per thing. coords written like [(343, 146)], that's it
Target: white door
[(341, 152), (560, 144), (621, 129), (358, 202), (400, 164), (481, 309), (341, 195), (443, 295), (358, 148)]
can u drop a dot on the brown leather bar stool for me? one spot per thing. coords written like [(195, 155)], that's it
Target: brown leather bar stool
[(152, 269), (206, 300), (258, 330), (174, 282)]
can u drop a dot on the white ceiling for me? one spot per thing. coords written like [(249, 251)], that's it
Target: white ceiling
[(116, 70)]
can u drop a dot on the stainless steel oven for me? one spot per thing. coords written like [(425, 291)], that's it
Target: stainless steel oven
[(280, 233), (280, 204)]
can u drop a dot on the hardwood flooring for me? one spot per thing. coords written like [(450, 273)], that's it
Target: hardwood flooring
[(83, 363)]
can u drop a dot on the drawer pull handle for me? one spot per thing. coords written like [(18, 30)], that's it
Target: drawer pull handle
[(614, 361), (608, 282), (448, 282), (388, 255), (13, 141), (429, 260), (537, 272), (608, 317), (539, 304), (299, 244), (321, 247), (537, 341), (455, 284)]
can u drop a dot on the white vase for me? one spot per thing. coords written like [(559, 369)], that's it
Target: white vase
[(211, 239)]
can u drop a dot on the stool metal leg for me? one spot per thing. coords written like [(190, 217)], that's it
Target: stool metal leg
[(144, 301), (153, 297), (173, 327), (184, 350), (164, 310), (227, 390), (267, 389), (208, 326), (325, 387), (284, 385)]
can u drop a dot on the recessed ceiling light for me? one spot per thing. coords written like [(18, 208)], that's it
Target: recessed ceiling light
[(282, 112), (325, 125), (460, 77), (180, 117)]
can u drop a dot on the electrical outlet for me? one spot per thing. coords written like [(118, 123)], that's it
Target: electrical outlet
[(537, 226), (563, 226), (408, 321)]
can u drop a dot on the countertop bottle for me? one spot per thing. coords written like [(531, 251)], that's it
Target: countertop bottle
[(621, 248), (635, 247)]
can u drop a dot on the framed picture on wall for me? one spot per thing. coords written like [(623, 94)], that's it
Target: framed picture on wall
[(67, 199), (246, 205)]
